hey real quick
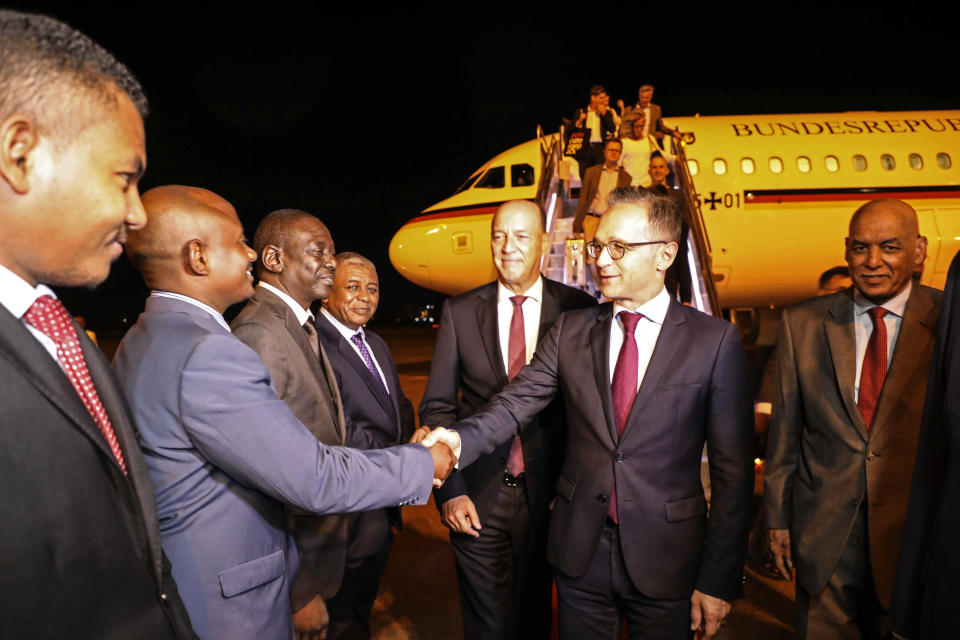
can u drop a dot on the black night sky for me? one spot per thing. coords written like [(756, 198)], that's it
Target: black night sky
[(368, 115)]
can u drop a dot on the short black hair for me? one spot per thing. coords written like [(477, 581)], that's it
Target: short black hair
[(609, 140), (36, 50), (352, 256), (597, 89), (833, 272), (274, 229), (663, 212)]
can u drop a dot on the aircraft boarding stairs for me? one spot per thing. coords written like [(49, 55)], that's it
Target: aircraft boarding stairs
[(565, 262)]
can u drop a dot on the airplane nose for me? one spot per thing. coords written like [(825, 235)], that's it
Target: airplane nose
[(408, 255)]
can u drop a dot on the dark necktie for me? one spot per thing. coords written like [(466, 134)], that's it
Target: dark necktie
[(357, 339), (874, 368), (312, 336), (517, 357), (49, 316), (624, 386)]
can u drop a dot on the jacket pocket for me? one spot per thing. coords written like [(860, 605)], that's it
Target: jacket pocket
[(252, 574), (565, 488), (686, 508)]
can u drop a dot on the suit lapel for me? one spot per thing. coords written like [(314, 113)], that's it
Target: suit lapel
[(600, 345), (838, 326), (383, 359), (673, 333), (916, 332), (549, 309), (486, 311), (348, 354)]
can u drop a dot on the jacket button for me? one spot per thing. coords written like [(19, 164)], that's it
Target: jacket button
[(618, 457), (601, 498), (871, 455), (163, 597)]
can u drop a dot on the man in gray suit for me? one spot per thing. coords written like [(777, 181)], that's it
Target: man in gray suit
[(222, 450), (295, 264), (851, 372)]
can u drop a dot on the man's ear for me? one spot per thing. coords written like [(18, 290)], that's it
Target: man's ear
[(667, 254), (18, 138), (196, 258), (272, 258)]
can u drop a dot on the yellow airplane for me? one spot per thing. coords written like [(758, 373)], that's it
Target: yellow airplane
[(775, 192)]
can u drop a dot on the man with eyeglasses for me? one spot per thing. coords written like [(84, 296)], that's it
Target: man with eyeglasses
[(645, 382)]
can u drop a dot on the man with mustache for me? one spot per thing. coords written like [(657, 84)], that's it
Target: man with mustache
[(225, 453)]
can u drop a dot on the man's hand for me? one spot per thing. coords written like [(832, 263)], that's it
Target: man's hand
[(310, 623), (446, 436), (443, 461), (707, 614), (780, 548), (419, 435), (460, 515)]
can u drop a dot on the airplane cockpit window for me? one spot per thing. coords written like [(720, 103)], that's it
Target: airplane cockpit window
[(916, 161), (494, 178), (747, 165), (859, 163), (831, 163), (943, 160), (803, 164), (521, 175), (720, 166), (469, 183), (694, 167), (776, 165), (887, 162)]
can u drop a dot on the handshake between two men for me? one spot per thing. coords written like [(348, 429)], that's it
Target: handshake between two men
[(444, 446)]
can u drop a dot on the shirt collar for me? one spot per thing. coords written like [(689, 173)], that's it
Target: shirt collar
[(303, 315), (654, 309), (535, 291), (344, 330), (200, 305), (894, 305), (17, 295)]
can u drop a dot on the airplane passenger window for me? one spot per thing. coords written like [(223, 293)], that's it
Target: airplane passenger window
[(916, 161), (886, 161), (747, 165), (719, 166), (943, 160), (466, 185), (694, 167), (521, 175), (859, 163), (832, 164), (492, 179), (803, 164), (776, 165)]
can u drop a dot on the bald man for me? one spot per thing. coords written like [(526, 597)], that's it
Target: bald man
[(496, 509), (222, 450), (851, 369)]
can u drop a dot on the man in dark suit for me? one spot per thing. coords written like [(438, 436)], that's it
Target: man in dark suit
[(851, 373), (645, 382), (295, 264), (378, 415), (80, 555), (644, 107), (222, 450), (497, 513), (599, 181)]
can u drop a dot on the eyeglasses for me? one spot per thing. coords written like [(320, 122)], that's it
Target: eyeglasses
[(615, 248)]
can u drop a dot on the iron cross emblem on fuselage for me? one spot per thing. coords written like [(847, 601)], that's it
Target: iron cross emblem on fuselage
[(713, 201)]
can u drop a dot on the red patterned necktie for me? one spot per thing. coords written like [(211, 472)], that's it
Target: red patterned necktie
[(517, 357), (874, 368), (48, 315), (624, 385)]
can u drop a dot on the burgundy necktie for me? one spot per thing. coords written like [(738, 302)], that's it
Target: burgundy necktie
[(874, 368), (517, 357), (624, 386), (49, 316)]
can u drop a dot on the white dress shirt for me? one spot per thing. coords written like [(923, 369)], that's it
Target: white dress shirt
[(863, 326), (646, 334), (18, 296), (348, 334), (531, 319), (200, 305), (303, 315)]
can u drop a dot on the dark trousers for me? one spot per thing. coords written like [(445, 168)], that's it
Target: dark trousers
[(595, 604), (350, 609), (848, 606), (503, 575)]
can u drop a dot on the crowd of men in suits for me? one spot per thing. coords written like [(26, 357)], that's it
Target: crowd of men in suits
[(244, 481)]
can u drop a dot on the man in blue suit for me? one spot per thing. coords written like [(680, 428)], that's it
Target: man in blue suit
[(222, 450)]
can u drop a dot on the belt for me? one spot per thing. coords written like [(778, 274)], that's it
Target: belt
[(511, 480)]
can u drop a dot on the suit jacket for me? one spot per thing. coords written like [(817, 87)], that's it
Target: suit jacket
[(695, 390), (81, 552), (223, 453), (821, 465), (466, 372), (306, 383), (374, 421), (588, 191)]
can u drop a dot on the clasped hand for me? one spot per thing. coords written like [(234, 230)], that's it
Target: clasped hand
[(444, 446)]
